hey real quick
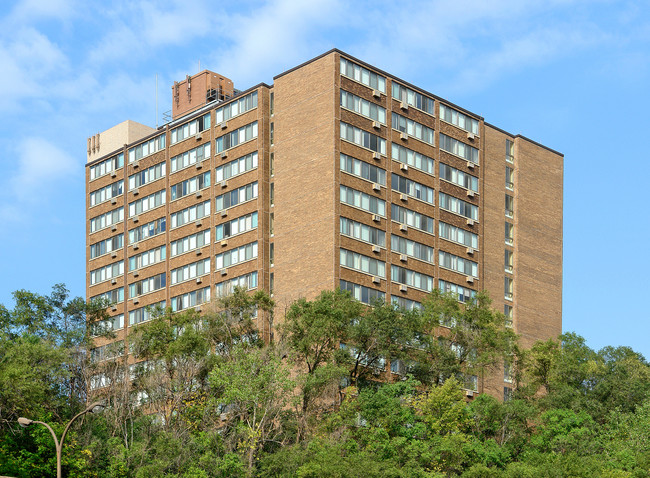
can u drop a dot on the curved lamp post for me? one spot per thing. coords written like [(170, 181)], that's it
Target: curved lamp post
[(25, 422)]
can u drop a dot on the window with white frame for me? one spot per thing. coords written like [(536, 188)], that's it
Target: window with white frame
[(105, 273), (463, 121), (412, 188), (361, 263), (150, 284), (148, 312), (106, 246), (190, 299), (148, 258), (457, 235), (362, 75), (191, 128), (190, 271), (106, 326), (363, 138), (458, 177), (114, 296), (147, 203), (458, 148), (363, 107), (458, 206), (155, 172), (413, 98), (106, 193), (236, 167), (363, 232), (413, 128), (236, 226), (412, 158), (150, 229), (189, 243), (460, 293), (107, 219), (106, 166), (411, 218), (236, 107), (364, 201), (362, 169), (362, 293), (238, 196), (246, 281), (190, 186), (457, 264), (411, 278), (188, 158), (237, 137), (148, 147), (417, 250), (238, 255), (189, 214)]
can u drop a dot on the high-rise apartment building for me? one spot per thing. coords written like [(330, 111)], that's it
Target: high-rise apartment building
[(337, 175)]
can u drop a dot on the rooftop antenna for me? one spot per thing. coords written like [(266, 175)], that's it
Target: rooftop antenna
[(156, 100)]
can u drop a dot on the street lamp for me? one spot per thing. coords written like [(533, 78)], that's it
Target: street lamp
[(25, 422)]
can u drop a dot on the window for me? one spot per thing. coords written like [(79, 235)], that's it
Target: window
[(411, 278), (272, 103), (413, 249), (190, 186), (238, 166), (510, 233), (271, 223), (363, 107), (271, 254), (190, 271), (405, 303), (271, 130), (458, 177), (107, 325), (412, 218), (147, 258), (107, 245), (107, 352), (236, 226), (413, 98), (362, 232), (106, 273), (413, 128), (271, 283), (107, 219), (459, 119), (510, 151), (190, 157), (508, 260), (416, 160), (462, 294), (510, 205), (457, 264), (457, 235), (458, 206), (507, 394), (361, 293), (272, 163), (236, 256), (272, 194), (247, 281), (470, 382), (114, 296), (146, 313), (148, 147), (106, 193), (508, 286), (237, 137), (192, 213), (191, 128), (458, 148), (237, 107), (508, 371), (150, 284), (507, 311), (362, 169), (355, 198), (416, 190), (363, 75), (149, 175), (189, 243), (191, 299), (148, 230), (510, 178), (363, 138), (238, 196), (107, 166), (362, 263), (147, 203)]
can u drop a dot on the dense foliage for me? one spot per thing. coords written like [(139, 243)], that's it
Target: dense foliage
[(209, 398)]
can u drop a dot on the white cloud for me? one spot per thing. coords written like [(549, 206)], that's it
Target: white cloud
[(27, 11)]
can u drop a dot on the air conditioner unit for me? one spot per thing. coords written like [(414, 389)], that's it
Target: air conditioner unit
[(113, 255), (136, 246), (403, 105), (199, 252), (136, 301), (224, 213), (224, 184), (376, 249), (469, 279), (136, 164), (376, 155), (376, 217), (376, 187), (470, 136), (197, 308), (403, 197), (470, 193), (403, 257), (199, 194), (199, 136), (470, 222), (376, 279), (376, 125), (113, 228), (136, 191), (403, 136), (224, 154), (113, 200), (113, 308), (113, 174), (223, 125), (403, 227), (136, 218), (198, 280), (224, 243), (376, 93), (199, 165), (469, 393), (470, 165), (404, 166), (136, 273), (223, 272), (470, 250), (113, 281), (198, 223), (403, 288)]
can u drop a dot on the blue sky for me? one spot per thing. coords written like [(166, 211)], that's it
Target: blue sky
[(571, 74)]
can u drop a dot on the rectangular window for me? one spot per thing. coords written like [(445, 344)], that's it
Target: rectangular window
[(236, 226), (363, 75), (362, 232), (510, 151), (192, 213), (105, 273), (189, 243), (148, 147), (237, 137), (148, 258), (236, 256), (413, 159), (457, 235), (458, 148), (510, 233), (238, 196), (190, 271), (148, 230), (107, 219), (458, 177), (509, 256), (107, 245), (107, 166), (191, 299), (106, 193), (271, 253), (363, 170), (510, 178), (145, 286), (411, 278), (107, 352), (507, 312), (190, 186), (188, 158), (417, 250), (147, 203), (355, 198), (361, 293), (459, 119), (411, 218), (236, 167), (363, 138), (107, 325), (361, 263), (413, 128), (413, 98), (272, 194), (143, 314), (190, 129), (460, 293), (458, 264), (458, 206), (247, 281), (508, 372), (510, 206), (404, 303), (363, 107), (271, 103), (149, 175), (508, 286), (114, 296), (411, 188), (272, 163), (237, 107)]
